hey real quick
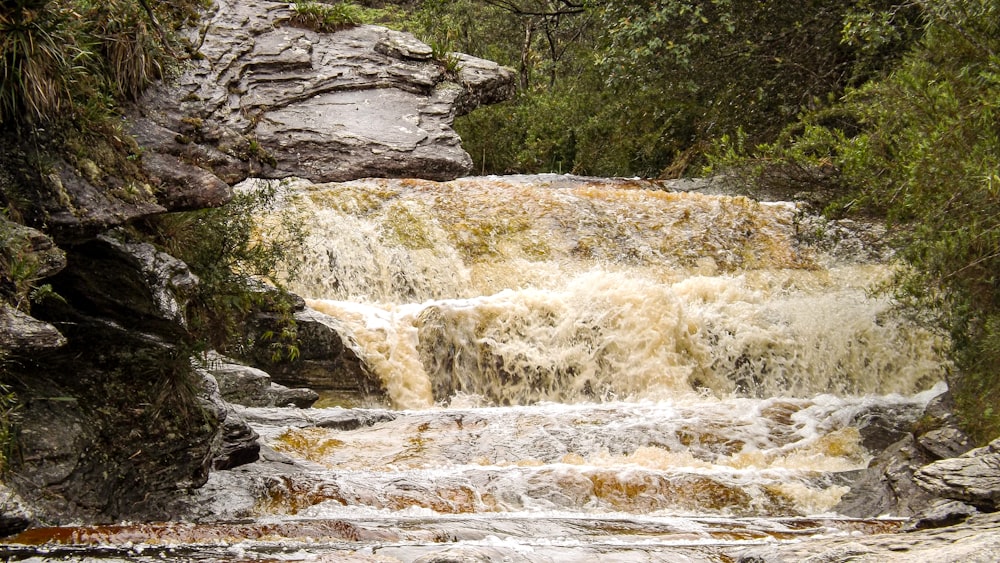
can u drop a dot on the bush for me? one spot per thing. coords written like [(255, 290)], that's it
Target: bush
[(326, 17), (57, 56), (230, 249), (919, 148)]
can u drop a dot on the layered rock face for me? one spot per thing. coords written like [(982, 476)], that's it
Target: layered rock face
[(116, 421), (272, 100)]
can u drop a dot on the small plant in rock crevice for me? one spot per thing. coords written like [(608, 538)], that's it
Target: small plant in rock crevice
[(326, 17)]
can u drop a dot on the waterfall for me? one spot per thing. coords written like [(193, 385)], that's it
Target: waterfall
[(516, 290)]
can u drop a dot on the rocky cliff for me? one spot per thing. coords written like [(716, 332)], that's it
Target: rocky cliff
[(114, 421)]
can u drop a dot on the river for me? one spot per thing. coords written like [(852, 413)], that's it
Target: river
[(574, 370)]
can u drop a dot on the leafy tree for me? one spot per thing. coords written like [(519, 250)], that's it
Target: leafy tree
[(642, 88), (919, 147)]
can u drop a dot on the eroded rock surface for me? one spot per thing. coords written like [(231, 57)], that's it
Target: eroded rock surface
[(273, 100)]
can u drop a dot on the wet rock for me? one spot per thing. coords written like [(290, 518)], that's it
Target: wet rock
[(15, 517), (944, 443), (942, 513), (328, 356), (465, 555), (881, 426), (129, 283), (236, 443), (239, 444), (886, 486), (94, 448), (24, 333), (74, 208), (110, 425), (35, 251), (973, 478), (268, 99), (977, 540), (182, 186), (252, 387), (339, 419)]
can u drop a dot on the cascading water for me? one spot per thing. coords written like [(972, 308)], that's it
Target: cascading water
[(575, 370), (519, 291)]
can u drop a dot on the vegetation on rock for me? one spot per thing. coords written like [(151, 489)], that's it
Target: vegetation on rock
[(231, 252), (920, 148)]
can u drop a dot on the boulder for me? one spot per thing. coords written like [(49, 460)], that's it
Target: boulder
[(24, 333), (942, 513), (236, 443), (76, 207), (15, 517), (252, 387), (329, 358), (107, 442), (973, 478), (906, 439), (265, 98), (129, 283), (110, 426), (886, 486)]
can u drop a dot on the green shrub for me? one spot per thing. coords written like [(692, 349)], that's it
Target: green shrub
[(228, 248), (326, 17), (58, 56), (919, 148), (40, 60)]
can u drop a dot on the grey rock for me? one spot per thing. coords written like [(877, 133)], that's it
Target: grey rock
[(281, 396), (36, 251), (886, 486), (944, 443), (183, 186), (236, 443), (239, 444), (252, 387), (329, 358), (977, 540), (335, 418), (14, 515), (883, 425), (942, 513), (973, 478), (24, 333), (74, 208), (129, 283), (268, 99)]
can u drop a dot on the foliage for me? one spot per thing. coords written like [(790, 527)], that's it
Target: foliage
[(611, 87), (18, 267), (8, 409), (231, 251), (40, 60), (920, 147), (327, 17), (58, 56)]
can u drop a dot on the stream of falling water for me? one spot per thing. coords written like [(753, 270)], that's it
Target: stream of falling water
[(574, 370)]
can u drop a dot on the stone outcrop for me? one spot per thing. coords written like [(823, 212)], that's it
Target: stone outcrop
[(36, 256), (268, 99), (889, 485), (111, 425), (252, 387), (972, 478), (328, 358)]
